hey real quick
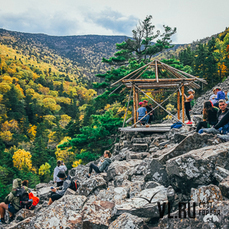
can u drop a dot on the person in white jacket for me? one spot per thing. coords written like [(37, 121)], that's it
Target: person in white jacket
[(60, 167)]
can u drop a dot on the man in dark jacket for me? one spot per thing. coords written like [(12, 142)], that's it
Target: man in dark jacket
[(58, 192), (103, 164), (223, 119), (223, 114)]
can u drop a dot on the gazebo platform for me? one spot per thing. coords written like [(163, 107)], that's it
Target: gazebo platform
[(154, 128)]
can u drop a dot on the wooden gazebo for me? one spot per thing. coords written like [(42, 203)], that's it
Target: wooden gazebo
[(175, 79)]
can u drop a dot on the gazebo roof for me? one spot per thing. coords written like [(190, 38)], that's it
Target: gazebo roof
[(176, 77)]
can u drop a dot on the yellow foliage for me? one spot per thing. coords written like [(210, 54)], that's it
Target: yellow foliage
[(49, 119), (50, 103), (7, 79), (81, 117), (51, 136), (6, 136), (65, 119), (65, 155), (20, 92), (30, 91), (22, 159), (53, 93), (32, 131), (4, 87), (63, 100), (76, 163), (10, 125), (1, 97), (44, 169)]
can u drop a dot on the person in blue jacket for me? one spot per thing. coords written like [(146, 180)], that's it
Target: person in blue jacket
[(220, 95)]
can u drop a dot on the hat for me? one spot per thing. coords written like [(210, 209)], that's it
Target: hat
[(145, 101), (218, 88), (61, 174), (140, 103), (191, 90)]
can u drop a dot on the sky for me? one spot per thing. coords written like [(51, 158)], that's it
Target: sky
[(194, 19)]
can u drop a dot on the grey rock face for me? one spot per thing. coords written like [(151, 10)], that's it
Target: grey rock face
[(88, 186), (206, 194), (224, 187), (197, 167), (140, 207), (63, 213), (220, 173), (97, 214), (119, 167), (213, 216), (191, 142), (127, 221)]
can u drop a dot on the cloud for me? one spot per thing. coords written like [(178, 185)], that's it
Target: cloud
[(113, 20), (38, 22)]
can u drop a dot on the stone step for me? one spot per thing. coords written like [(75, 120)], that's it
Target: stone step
[(139, 156), (140, 147)]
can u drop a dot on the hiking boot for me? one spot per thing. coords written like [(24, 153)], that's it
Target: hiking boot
[(2, 221), (88, 176), (189, 123), (11, 219)]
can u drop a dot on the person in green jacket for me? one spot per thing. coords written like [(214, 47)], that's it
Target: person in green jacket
[(103, 164), (12, 202)]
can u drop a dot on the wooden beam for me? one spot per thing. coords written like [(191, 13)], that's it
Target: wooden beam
[(134, 104), (155, 80), (156, 71), (199, 79), (182, 91), (178, 105), (137, 100), (162, 86), (130, 74), (178, 75)]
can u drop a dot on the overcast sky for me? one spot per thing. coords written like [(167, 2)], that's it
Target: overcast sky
[(194, 19)]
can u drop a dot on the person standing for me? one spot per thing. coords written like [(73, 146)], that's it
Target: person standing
[(60, 167), (187, 104)]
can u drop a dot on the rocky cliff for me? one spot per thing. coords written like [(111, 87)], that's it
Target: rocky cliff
[(174, 180)]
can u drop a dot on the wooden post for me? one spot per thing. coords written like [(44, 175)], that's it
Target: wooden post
[(182, 91), (137, 99), (156, 71), (178, 104), (134, 104)]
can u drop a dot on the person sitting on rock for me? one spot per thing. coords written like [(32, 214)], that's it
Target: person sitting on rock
[(141, 112), (103, 164), (219, 95), (58, 192), (148, 108), (12, 202), (60, 167), (213, 96), (223, 120), (209, 116)]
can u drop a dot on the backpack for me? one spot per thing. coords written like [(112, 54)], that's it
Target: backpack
[(35, 200), (74, 184), (176, 125), (23, 196)]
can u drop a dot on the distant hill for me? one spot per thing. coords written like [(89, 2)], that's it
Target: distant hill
[(79, 56), (85, 52)]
